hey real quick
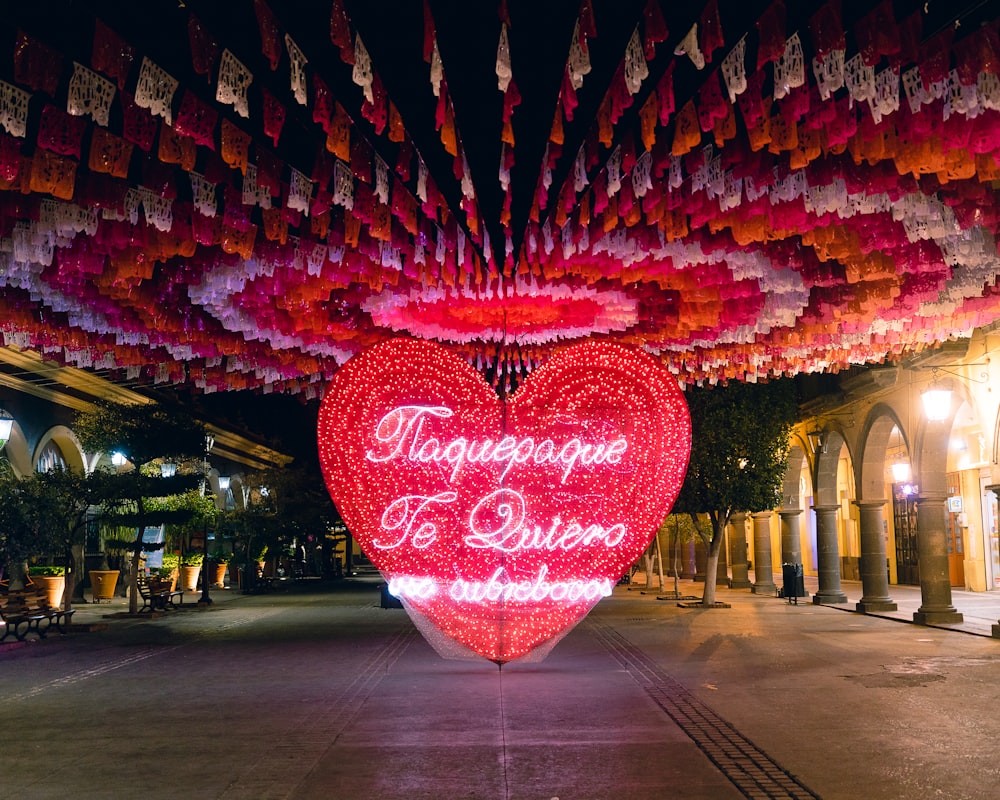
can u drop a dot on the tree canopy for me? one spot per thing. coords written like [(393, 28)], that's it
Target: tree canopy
[(739, 446), (739, 449), (143, 433)]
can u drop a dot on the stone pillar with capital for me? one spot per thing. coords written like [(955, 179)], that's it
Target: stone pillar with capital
[(791, 550), (762, 554), (738, 552), (828, 556), (932, 559), (874, 573)]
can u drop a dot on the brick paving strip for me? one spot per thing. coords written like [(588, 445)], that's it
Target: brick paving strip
[(751, 770)]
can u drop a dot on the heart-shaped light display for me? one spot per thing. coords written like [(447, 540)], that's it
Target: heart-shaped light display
[(503, 523)]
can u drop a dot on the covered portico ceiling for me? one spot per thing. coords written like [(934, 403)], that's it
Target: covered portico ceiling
[(245, 194)]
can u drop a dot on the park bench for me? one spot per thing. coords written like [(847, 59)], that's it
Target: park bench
[(27, 611), (35, 600), (17, 622), (157, 595)]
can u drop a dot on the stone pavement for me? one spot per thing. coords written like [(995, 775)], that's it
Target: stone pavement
[(319, 693)]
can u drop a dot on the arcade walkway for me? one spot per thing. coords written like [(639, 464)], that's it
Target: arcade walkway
[(322, 694)]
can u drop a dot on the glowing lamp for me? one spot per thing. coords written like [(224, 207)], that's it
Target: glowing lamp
[(937, 403), (168, 469), (900, 471), (500, 524), (119, 459)]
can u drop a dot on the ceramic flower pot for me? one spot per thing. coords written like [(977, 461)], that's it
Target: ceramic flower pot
[(54, 586), (189, 578), (102, 584)]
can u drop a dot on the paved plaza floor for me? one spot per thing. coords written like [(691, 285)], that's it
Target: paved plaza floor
[(317, 692)]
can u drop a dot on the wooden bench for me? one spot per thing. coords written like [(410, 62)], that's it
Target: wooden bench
[(157, 595), (17, 622), (36, 601), (28, 611)]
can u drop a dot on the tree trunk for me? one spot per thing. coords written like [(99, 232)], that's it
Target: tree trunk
[(71, 572), (133, 576), (712, 563)]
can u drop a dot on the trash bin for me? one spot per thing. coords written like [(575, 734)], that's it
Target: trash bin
[(389, 600), (794, 585)]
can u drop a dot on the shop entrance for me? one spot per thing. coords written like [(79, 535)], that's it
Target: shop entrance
[(904, 519), (953, 531)]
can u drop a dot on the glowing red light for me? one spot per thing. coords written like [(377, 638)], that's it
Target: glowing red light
[(503, 524)]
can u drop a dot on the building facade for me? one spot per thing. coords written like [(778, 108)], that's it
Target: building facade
[(883, 488)]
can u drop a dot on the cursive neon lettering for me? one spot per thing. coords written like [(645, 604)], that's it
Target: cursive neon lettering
[(394, 428), (507, 507), (412, 587), (499, 587), (401, 515), (404, 433)]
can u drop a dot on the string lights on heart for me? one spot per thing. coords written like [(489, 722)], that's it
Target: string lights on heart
[(501, 523)]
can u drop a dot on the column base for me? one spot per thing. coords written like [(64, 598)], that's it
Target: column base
[(871, 606), (763, 588), (734, 584), (829, 598), (943, 616)]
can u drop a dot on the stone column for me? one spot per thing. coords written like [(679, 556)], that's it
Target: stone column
[(762, 553), (722, 566), (932, 559), (738, 552), (874, 577), (700, 559), (791, 550), (828, 556), (688, 560)]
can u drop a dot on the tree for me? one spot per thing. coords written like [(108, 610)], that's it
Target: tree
[(739, 446), (69, 496), (32, 522), (145, 434)]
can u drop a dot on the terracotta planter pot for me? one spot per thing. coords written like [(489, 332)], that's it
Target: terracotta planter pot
[(54, 586), (189, 578), (220, 575), (102, 584)]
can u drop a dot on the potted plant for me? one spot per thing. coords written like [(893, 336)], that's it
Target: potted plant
[(52, 580), (221, 561), (104, 580), (190, 570), (170, 569)]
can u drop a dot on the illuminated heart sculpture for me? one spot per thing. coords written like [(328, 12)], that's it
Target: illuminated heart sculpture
[(503, 524)]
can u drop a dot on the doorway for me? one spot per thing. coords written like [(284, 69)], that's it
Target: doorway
[(904, 521)]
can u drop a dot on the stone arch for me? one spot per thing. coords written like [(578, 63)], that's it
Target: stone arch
[(930, 453), (826, 505), (68, 445), (17, 452), (790, 490), (236, 485), (827, 464), (874, 443)]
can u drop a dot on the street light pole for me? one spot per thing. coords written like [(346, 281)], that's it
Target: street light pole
[(205, 599)]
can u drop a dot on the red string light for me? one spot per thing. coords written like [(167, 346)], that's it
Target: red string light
[(503, 523)]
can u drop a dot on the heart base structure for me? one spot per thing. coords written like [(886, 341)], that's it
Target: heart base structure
[(500, 524)]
